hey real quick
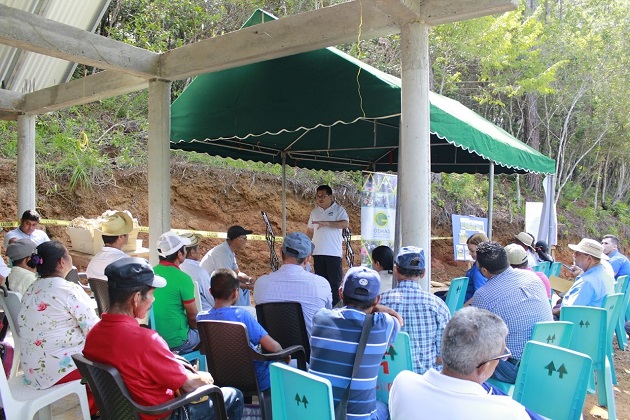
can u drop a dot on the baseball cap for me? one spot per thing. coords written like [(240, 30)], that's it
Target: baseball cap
[(297, 245), (410, 258), (361, 283), (236, 231), (516, 254), (590, 247), (132, 272), (169, 243), (525, 238), (194, 238), (21, 248)]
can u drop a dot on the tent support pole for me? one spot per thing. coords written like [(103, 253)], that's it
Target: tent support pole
[(26, 199), (284, 195), (415, 148), (159, 163), (490, 198)]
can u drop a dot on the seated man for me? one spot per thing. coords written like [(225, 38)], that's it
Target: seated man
[(225, 290), (115, 231), (174, 309), (22, 273), (425, 314), (151, 372), (472, 345), (335, 338), (27, 230), (192, 267)]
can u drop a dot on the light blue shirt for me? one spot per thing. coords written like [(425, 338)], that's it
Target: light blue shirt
[(590, 288)]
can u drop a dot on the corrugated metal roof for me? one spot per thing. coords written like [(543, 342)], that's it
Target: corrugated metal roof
[(25, 71)]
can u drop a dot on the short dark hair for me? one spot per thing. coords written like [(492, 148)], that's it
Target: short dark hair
[(299, 260), (120, 295), (31, 215), (492, 256), (48, 255), (109, 239), (385, 256), (325, 188), (613, 239), (190, 248), (410, 272), (359, 304), (173, 256), (223, 283)]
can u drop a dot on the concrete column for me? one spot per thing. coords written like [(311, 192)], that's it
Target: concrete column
[(26, 199), (159, 163), (415, 148)]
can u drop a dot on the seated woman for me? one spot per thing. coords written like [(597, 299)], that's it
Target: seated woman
[(54, 320), (383, 263), (475, 278)]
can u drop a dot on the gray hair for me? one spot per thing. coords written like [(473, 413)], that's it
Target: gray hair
[(471, 337)]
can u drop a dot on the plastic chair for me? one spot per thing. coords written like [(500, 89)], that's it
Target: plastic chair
[(554, 269), (299, 395), (197, 296), (231, 359), (395, 360), (612, 304), (10, 302), (542, 267), (620, 332), (192, 356), (551, 371), (589, 337), (555, 333), (100, 289), (456, 294), (115, 402), (284, 321)]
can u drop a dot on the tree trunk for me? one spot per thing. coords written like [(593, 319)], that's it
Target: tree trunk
[(532, 131)]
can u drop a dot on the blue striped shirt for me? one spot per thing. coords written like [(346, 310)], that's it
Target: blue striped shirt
[(334, 341)]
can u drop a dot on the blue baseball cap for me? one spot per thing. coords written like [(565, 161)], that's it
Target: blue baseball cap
[(410, 258), (361, 283), (297, 244)]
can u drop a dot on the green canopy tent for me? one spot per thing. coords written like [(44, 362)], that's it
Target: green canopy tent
[(326, 110)]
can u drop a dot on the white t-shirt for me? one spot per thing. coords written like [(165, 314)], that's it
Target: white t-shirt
[(38, 236), (106, 256), (327, 240), (439, 396)]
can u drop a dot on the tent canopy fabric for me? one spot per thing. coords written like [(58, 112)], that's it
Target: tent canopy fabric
[(327, 110)]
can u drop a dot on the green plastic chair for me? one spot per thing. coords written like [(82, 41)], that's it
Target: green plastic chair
[(555, 333), (554, 269), (395, 360), (589, 337), (456, 294), (620, 332), (543, 267), (296, 394), (548, 370), (612, 304)]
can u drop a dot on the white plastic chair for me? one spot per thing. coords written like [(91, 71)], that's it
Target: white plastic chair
[(197, 296), (10, 304), (22, 402)]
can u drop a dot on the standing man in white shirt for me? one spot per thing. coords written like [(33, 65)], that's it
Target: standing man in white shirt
[(27, 230), (192, 267), (325, 226), (115, 231)]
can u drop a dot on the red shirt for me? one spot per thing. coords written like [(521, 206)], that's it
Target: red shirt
[(142, 357)]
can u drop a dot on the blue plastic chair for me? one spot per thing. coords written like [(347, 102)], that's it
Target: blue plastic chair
[(543, 267), (554, 269), (192, 356), (395, 360), (612, 304), (555, 333), (589, 337), (620, 332), (456, 294), (552, 381), (296, 394)]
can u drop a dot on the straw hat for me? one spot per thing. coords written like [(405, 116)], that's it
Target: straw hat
[(590, 247), (116, 224), (526, 239), (516, 254), (195, 238)]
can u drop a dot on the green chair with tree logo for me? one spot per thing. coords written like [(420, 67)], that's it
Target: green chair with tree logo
[(542, 267), (296, 394), (554, 269), (612, 304), (555, 333), (395, 360), (620, 331), (552, 381), (589, 337), (456, 294)]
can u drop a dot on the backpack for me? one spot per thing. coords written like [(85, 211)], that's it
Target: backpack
[(6, 356)]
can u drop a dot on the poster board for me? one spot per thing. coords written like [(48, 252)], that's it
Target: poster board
[(463, 227)]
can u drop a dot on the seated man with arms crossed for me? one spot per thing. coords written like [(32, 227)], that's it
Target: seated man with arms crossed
[(151, 372)]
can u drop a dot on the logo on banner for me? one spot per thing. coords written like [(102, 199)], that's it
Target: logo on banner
[(380, 219)]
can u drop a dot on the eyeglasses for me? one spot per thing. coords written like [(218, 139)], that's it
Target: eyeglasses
[(321, 196), (506, 355), (243, 237)]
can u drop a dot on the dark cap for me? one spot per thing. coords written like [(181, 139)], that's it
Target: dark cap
[(410, 258), (297, 245), (236, 231), (361, 283), (132, 272), (20, 249)]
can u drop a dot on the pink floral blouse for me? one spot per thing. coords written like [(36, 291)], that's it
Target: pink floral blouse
[(54, 320)]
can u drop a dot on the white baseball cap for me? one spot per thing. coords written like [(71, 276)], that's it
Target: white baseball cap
[(169, 243)]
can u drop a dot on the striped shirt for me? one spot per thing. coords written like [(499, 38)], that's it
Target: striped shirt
[(425, 318), (334, 342)]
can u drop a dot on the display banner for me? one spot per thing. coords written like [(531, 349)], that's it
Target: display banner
[(463, 227), (378, 213)]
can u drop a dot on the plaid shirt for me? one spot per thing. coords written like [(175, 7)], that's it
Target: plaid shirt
[(425, 317)]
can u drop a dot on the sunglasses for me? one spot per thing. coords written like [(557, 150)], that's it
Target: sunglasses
[(506, 355)]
